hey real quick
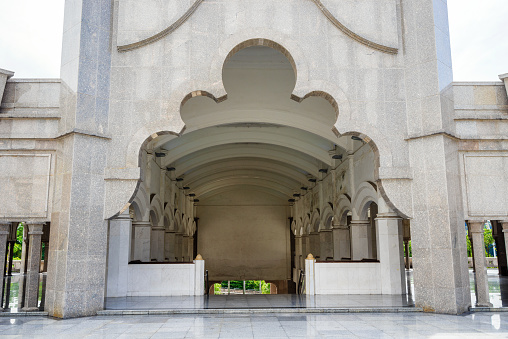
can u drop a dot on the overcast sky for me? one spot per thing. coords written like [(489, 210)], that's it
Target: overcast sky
[(31, 30)]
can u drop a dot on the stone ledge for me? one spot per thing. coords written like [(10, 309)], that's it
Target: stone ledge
[(23, 314), (488, 309), (262, 310)]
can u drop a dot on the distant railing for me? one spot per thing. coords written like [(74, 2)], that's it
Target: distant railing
[(301, 282), (207, 283)]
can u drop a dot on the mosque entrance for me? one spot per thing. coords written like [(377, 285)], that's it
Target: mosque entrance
[(258, 182)]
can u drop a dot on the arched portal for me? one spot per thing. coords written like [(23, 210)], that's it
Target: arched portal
[(246, 167)]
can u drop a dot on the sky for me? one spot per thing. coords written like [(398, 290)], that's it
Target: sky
[(31, 38)]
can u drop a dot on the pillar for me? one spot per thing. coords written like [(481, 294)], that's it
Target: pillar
[(481, 278), (78, 253), (305, 249), (390, 253), (178, 247), (315, 246), (142, 235), (4, 233), (119, 245), (298, 255), (190, 250), (504, 224), (341, 242), (185, 248), (24, 250), (326, 244), (33, 267), (359, 239), (199, 265), (157, 243), (310, 288), (406, 238), (169, 246), (441, 278)]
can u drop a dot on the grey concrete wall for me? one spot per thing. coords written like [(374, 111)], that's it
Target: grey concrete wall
[(243, 235)]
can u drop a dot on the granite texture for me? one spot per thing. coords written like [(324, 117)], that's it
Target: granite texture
[(424, 148), (34, 261)]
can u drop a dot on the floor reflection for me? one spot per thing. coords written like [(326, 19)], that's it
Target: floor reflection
[(498, 288), (14, 287)]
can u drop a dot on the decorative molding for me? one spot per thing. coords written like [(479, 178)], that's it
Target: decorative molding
[(163, 33), (322, 8), (351, 34)]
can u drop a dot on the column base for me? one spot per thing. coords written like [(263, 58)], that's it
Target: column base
[(484, 305), (30, 309)]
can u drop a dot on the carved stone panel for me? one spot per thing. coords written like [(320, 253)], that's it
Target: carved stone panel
[(24, 185)]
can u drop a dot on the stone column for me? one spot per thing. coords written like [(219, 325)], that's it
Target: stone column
[(359, 239), (157, 243), (78, 252), (305, 249), (34, 264), (4, 76), (4, 233), (169, 246), (185, 248), (24, 250), (481, 279), (390, 253), (504, 78), (310, 288), (341, 242), (191, 247), (142, 235), (441, 278), (326, 240), (298, 254), (406, 239), (178, 247), (504, 223), (315, 246), (118, 255), (199, 265)]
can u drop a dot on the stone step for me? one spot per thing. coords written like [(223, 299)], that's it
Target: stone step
[(23, 314), (261, 311)]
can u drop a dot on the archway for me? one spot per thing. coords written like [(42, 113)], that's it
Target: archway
[(244, 168)]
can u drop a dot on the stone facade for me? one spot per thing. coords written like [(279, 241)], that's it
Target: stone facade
[(344, 114)]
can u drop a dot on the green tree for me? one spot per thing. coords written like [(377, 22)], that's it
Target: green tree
[(19, 241), (488, 240)]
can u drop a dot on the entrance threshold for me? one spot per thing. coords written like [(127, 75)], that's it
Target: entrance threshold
[(250, 304)]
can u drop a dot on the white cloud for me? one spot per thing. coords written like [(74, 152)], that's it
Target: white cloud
[(31, 38)]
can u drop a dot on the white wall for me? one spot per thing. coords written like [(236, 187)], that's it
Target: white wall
[(347, 278)]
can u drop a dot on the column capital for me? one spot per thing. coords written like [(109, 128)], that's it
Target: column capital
[(389, 215), (504, 223), (35, 228), (141, 223), (5, 228), (359, 223), (340, 227), (475, 226)]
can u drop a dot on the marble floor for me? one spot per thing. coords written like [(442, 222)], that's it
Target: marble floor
[(413, 325), (498, 287)]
